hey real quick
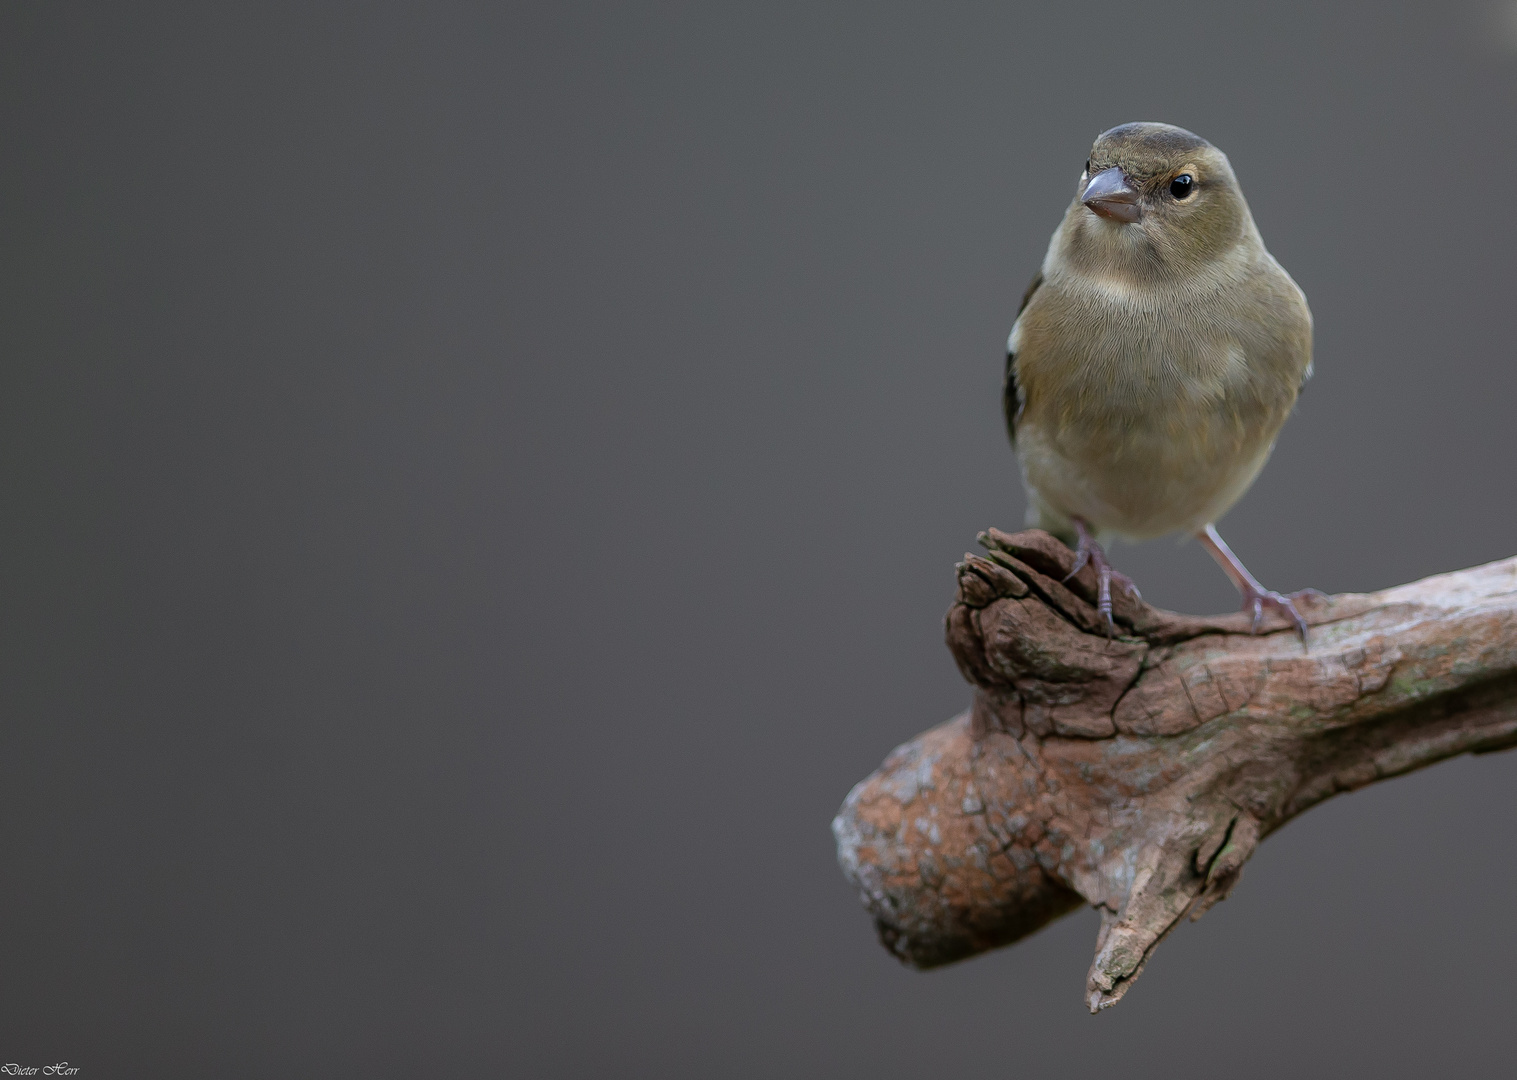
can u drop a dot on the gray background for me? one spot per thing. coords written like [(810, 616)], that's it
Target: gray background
[(482, 483)]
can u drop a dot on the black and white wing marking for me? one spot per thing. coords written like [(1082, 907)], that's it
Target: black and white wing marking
[(1011, 394)]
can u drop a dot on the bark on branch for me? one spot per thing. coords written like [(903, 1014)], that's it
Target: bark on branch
[(1138, 774)]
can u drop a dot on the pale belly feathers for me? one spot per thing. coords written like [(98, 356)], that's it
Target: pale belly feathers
[(1138, 428)]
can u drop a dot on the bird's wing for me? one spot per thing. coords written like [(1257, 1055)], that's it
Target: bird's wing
[(1011, 398)]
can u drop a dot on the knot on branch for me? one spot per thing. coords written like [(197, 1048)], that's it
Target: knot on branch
[(1138, 773)]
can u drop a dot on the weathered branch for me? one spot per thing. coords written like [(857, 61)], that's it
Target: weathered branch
[(1138, 774)]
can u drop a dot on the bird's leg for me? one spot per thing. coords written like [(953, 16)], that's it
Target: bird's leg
[(1255, 596), (1088, 551)]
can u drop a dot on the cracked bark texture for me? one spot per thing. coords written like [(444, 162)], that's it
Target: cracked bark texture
[(1137, 774)]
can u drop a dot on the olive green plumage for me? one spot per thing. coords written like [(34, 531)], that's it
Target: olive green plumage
[(1160, 350)]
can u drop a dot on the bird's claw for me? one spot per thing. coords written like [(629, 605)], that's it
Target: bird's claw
[(1088, 551), (1255, 596), (1256, 600)]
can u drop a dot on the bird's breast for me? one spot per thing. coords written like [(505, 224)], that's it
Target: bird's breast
[(1145, 415)]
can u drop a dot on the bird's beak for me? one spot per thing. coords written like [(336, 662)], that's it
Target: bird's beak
[(1110, 195)]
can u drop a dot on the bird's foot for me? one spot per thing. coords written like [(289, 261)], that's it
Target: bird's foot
[(1256, 600), (1255, 596), (1088, 551)]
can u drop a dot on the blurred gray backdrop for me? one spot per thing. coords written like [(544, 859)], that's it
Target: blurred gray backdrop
[(482, 482)]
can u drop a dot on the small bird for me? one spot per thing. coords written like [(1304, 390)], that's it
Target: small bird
[(1154, 358)]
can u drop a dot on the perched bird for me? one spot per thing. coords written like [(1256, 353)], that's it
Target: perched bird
[(1155, 357)]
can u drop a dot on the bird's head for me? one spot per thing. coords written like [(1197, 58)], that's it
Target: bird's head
[(1154, 198)]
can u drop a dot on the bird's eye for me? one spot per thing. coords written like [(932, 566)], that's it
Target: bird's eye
[(1181, 186)]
